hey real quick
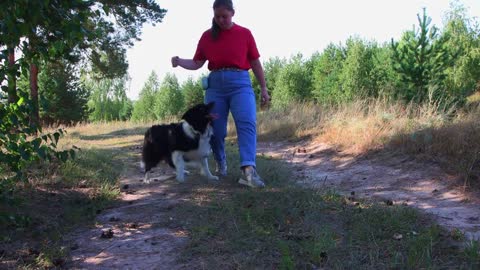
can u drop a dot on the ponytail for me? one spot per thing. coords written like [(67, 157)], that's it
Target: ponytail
[(215, 29)]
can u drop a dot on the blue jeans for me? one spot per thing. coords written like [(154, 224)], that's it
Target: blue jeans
[(232, 91)]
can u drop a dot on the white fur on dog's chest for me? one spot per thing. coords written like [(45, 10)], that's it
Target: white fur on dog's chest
[(204, 147), (202, 151)]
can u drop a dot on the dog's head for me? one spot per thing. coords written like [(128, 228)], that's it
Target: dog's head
[(200, 116)]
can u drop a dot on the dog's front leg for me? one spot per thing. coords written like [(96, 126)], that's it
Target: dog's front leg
[(179, 162), (146, 179), (204, 170)]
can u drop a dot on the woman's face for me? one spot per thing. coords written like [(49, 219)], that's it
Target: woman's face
[(223, 17)]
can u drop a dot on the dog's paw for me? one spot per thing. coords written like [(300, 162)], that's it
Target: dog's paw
[(187, 172), (146, 180), (180, 179)]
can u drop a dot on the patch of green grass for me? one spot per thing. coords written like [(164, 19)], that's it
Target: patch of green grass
[(472, 253), (288, 227), (51, 256), (91, 168)]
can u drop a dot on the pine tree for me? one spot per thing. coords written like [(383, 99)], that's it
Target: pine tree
[(169, 100), (193, 92), (143, 108), (421, 59)]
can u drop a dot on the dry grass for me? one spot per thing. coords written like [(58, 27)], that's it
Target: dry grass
[(430, 130), (103, 135), (371, 124), (474, 98)]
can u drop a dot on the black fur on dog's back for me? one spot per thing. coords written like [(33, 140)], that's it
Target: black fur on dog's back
[(161, 141)]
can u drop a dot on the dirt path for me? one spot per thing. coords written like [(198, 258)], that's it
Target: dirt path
[(138, 234), (395, 180)]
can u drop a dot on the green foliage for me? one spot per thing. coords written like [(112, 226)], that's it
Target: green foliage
[(357, 69), (22, 143), (293, 82), (57, 29), (472, 252), (193, 92), (287, 262), (271, 69), (360, 69), (110, 63), (462, 35), (421, 59), (108, 99), (143, 108), (385, 80), (169, 100), (255, 83), (64, 99), (97, 32), (327, 73)]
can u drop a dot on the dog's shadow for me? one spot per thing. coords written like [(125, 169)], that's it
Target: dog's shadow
[(114, 134), (163, 172)]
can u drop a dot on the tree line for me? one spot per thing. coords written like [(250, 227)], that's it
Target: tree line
[(425, 64)]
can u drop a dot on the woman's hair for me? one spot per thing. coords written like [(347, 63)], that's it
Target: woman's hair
[(228, 4)]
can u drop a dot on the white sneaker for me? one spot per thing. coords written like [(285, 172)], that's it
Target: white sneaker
[(251, 178), (221, 169)]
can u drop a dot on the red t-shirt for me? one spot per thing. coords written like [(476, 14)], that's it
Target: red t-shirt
[(234, 48)]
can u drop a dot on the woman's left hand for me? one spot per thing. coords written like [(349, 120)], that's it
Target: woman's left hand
[(265, 97)]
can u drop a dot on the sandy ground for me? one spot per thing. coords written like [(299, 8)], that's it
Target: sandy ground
[(134, 234), (399, 180)]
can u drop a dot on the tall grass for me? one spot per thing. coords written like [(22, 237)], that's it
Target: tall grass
[(431, 130)]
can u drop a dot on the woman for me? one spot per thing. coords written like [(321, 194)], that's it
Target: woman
[(231, 51)]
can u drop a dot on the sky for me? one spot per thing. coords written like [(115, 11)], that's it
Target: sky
[(280, 28)]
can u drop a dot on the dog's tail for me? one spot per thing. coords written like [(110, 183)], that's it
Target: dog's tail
[(148, 136)]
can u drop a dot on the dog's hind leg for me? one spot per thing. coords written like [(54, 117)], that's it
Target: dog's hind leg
[(204, 170), (147, 169)]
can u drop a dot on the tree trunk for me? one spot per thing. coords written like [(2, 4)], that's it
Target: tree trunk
[(35, 116), (12, 76)]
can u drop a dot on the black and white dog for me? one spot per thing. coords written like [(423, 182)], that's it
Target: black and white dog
[(180, 144)]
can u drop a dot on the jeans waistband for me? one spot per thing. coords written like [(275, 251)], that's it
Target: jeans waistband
[(227, 69), (229, 79)]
